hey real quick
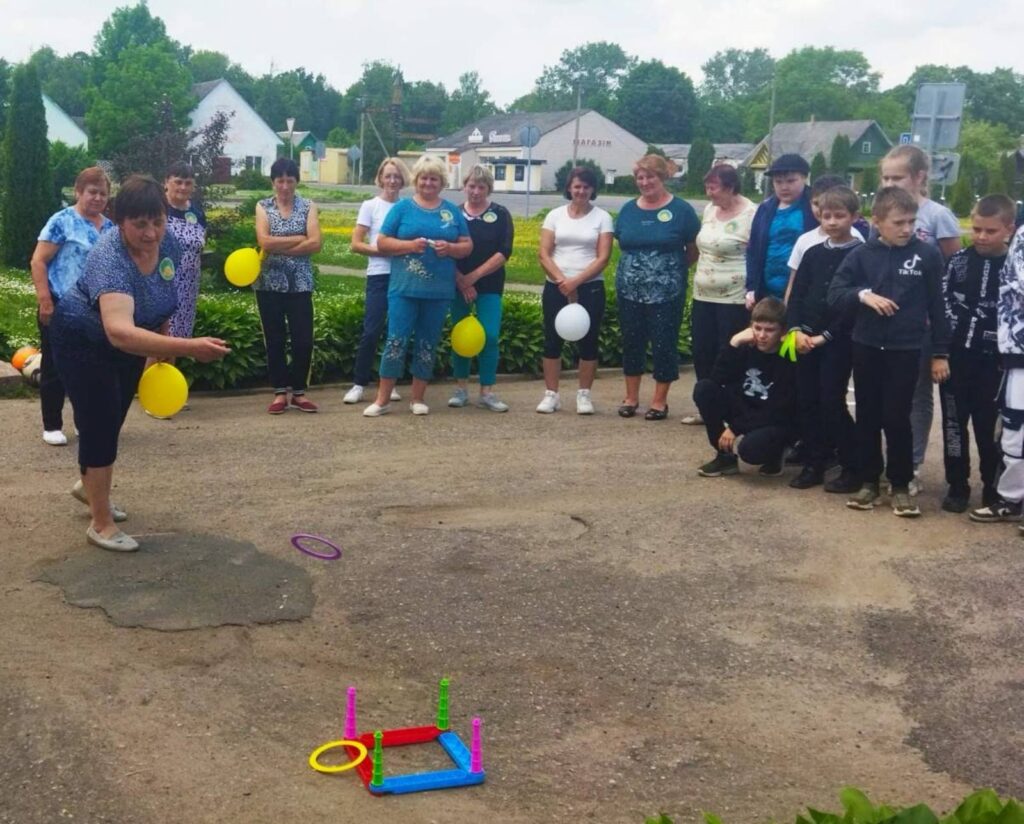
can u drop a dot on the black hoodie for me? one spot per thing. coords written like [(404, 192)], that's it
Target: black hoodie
[(911, 276), (761, 387)]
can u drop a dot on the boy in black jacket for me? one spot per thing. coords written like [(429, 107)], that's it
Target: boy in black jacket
[(751, 393), (971, 292), (826, 354), (895, 284)]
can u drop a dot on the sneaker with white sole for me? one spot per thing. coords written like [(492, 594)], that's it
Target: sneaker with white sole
[(914, 488), (354, 395), (419, 408), (54, 437), (375, 410), (692, 420), (865, 499), (118, 542), (998, 511), (459, 398), (488, 400), (903, 506), (584, 403), (78, 493), (395, 396), (551, 402)]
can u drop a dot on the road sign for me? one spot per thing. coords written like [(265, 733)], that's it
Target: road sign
[(938, 111), (945, 168), (529, 136), (906, 138), (354, 153)]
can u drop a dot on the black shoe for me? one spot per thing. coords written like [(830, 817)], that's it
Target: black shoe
[(809, 476), (845, 483), (996, 512), (955, 502), (723, 464), (772, 469)]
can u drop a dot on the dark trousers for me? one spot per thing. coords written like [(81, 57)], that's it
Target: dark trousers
[(101, 394), (759, 446), (712, 325), (657, 323), (591, 297), (284, 315), (970, 395), (826, 425), (374, 322), (884, 383), (51, 388)]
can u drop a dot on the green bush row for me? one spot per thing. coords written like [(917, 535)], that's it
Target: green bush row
[(980, 807)]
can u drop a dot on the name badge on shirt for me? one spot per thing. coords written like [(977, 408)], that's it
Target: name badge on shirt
[(190, 217), (166, 269), (664, 216), (488, 217)]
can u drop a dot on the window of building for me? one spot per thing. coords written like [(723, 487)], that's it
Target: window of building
[(520, 174), (499, 172), (865, 147), (254, 162)]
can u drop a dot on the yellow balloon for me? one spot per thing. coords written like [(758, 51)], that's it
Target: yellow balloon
[(242, 267), (468, 337), (163, 390)]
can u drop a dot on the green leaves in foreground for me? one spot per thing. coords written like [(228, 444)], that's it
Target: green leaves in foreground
[(980, 807)]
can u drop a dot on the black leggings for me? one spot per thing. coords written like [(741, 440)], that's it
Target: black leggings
[(283, 314), (591, 297), (101, 394), (51, 389)]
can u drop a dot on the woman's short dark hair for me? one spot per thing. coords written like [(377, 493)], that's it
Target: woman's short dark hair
[(284, 167), (584, 175), (726, 176), (181, 169), (139, 196)]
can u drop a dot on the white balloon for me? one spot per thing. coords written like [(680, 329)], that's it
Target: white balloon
[(572, 322)]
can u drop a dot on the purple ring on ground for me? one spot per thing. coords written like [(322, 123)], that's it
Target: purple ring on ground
[(301, 536)]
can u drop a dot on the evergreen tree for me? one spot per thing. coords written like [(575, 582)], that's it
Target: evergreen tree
[(819, 166), (961, 198), (562, 175), (27, 200), (702, 156), (839, 157)]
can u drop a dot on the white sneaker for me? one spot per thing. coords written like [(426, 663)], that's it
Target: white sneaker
[(584, 404), (375, 410), (354, 395), (419, 408), (54, 437), (395, 396), (549, 403), (459, 398), (488, 400)]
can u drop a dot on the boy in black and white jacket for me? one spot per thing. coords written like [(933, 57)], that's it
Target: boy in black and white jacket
[(894, 283)]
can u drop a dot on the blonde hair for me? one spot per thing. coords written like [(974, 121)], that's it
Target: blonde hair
[(913, 158), (430, 165), (403, 170), (655, 164), (482, 174)]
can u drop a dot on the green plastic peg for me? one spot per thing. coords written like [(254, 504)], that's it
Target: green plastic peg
[(442, 705), (378, 759)]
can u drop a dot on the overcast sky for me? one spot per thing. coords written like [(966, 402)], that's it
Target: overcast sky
[(510, 41)]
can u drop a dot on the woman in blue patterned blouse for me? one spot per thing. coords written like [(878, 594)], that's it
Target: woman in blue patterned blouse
[(288, 231), (57, 264), (114, 316)]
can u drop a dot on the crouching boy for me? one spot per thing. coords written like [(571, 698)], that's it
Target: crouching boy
[(749, 402)]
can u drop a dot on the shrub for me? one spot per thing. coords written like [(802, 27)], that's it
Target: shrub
[(562, 175), (251, 179)]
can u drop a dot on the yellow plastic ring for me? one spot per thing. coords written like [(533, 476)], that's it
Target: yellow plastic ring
[(314, 757)]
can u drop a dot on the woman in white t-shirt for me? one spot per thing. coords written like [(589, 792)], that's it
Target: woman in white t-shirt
[(392, 177), (575, 245)]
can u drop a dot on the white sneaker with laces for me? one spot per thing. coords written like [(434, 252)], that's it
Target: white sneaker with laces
[(584, 403), (419, 408), (354, 395), (54, 437), (375, 410), (488, 400), (551, 402), (395, 396)]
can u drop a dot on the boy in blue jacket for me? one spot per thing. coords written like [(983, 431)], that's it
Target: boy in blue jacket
[(894, 285)]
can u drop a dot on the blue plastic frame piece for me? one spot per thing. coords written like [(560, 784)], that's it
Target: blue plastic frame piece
[(437, 779)]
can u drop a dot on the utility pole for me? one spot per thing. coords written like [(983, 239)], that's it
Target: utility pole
[(771, 127), (362, 133), (576, 137)]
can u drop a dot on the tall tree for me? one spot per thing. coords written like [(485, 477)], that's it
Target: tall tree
[(131, 27), (839, 156), (5, 88), (657, 102), (423, 107), (469, 102), (27, 198), (67, 80), (596, 68), (281, 96), (822, 82), (819, 165), (213, 65), (134, 98), (734, 74), (698, 163)]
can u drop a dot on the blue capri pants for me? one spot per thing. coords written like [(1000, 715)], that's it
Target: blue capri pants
[(655, 322), (421, 319), (488, 312)]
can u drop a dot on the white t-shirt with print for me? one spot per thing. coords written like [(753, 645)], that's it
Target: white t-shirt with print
[(813, 238), (576, 238), (371, 215), (935, 222)]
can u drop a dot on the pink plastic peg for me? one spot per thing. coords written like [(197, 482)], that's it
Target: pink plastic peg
[(350, 715), (476, 764)]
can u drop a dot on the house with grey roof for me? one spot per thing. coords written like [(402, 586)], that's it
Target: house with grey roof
[(735, 154), (868, 143), (250, 143), (495, 142)]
